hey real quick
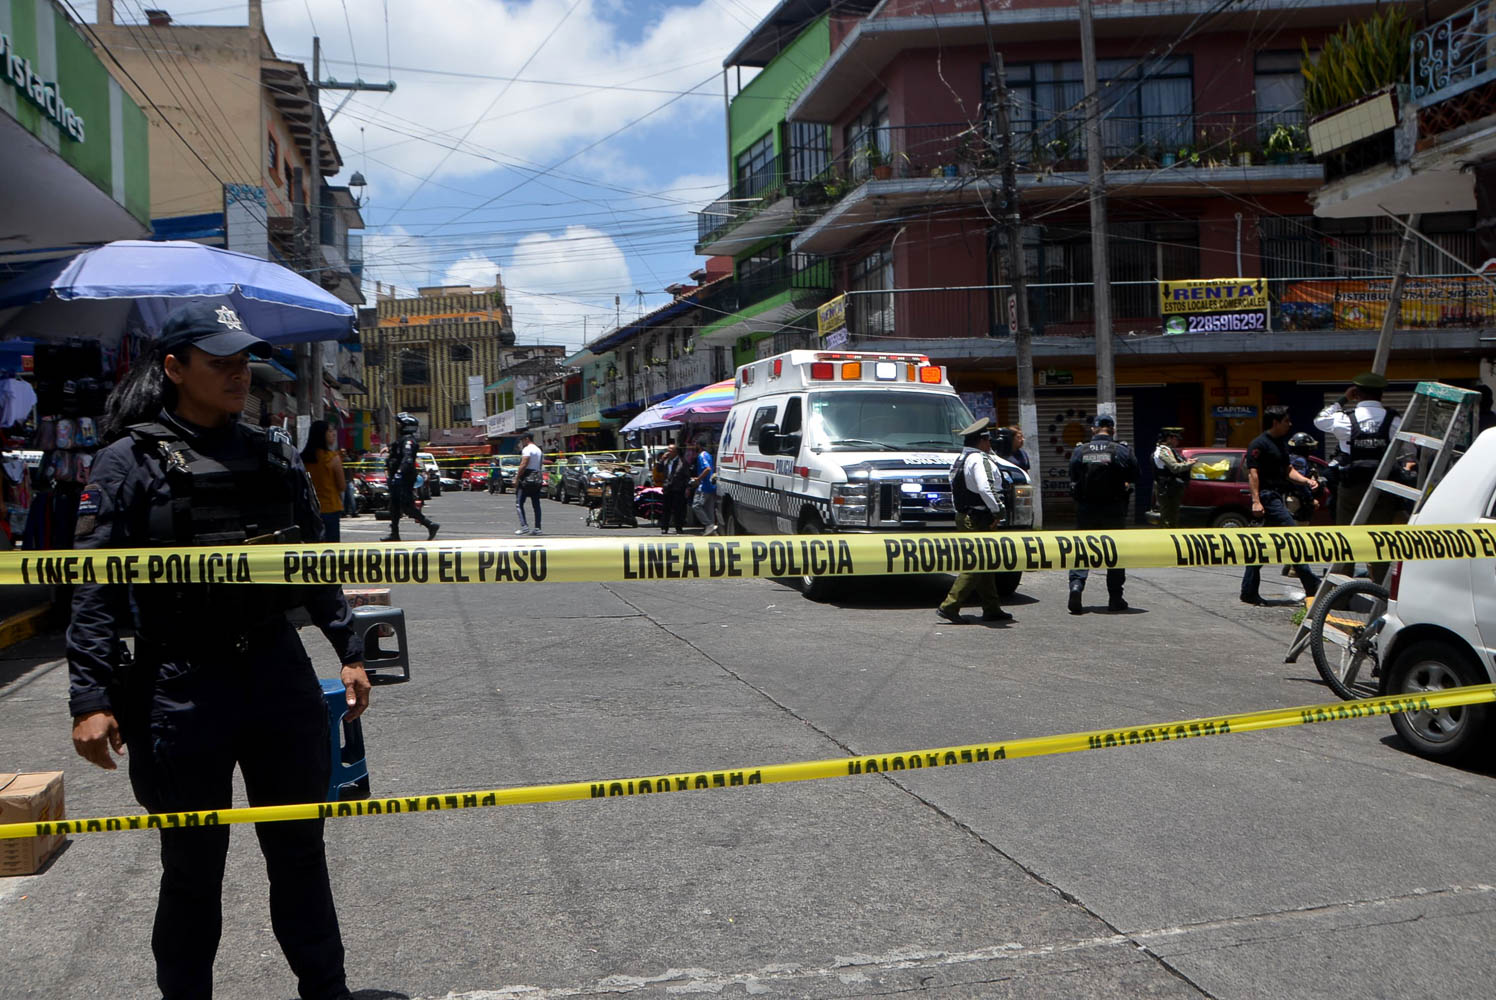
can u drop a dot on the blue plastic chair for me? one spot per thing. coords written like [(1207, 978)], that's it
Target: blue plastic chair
[(350, 772)]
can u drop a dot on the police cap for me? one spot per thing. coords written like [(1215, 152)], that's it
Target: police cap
[(976, 427), (1370, 380), (1104, 420), (211, 328), (1172, 431)]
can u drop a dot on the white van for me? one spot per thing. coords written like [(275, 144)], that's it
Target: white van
[(823, 441)]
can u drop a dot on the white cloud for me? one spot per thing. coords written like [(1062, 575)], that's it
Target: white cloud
[(554, 281), (474, 269)]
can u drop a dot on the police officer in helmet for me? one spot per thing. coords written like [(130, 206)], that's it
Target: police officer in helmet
[(402, 467), (1102, 473), (976, 489), (219, 677)]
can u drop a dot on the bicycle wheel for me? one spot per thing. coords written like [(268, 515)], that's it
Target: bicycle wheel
[(1343, 629)]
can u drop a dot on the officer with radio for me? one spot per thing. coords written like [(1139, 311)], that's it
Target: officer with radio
[(218, 677), (976, 489), (1103, 471), (402, 468)]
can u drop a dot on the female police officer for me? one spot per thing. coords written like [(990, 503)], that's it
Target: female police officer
[(218, 675)]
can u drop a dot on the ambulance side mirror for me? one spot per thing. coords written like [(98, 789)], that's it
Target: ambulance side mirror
[(768, 439)]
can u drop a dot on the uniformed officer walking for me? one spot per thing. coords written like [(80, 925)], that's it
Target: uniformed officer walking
[(219, 676), (1363, 430), (1103, 472), (401, 470), (977, 491), (1270, 478), (1171, 473)]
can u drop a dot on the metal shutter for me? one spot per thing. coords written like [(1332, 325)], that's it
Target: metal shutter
[(1064, 422)]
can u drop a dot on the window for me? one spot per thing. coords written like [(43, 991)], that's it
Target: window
[(272, 155), (1279, 87), (1150, 111), (462, 413), (755, 168), (810, 150), (459, 352), (1060, 256), (415, 367), (763, 416), (791, 422), (870, 128), (871, 314)]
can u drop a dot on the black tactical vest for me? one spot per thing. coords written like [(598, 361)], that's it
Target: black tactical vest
[(217, 502), (966, 500), (1102, 478), (1368, 447)]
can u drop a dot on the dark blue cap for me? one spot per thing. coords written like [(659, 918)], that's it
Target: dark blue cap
[(211, 328), (1103, 420)]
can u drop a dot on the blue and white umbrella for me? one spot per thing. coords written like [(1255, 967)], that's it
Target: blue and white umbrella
[(99, 293)]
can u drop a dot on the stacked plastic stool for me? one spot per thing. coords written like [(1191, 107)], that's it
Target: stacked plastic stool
[(370, 622), (350, 771)]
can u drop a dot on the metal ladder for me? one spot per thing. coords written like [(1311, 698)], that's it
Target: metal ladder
[(1440, 424)]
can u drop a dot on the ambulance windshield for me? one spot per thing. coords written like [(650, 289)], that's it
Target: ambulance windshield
[(886, 420)]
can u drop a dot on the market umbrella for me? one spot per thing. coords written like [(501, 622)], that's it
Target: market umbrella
[(715, 398), (653, 418), (100, 292)]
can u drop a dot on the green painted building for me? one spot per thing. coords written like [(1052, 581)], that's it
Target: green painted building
[(74, 150), (774, 165)]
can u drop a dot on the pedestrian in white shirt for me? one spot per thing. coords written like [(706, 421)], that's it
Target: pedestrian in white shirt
[(527, 484), (1364, 429)]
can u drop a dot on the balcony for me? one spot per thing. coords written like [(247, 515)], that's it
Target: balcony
[(756, 207), (904, 167), (766, 296), (1332, 314), (1453, 56)]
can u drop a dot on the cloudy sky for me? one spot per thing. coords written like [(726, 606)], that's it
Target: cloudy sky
[(564, 143)]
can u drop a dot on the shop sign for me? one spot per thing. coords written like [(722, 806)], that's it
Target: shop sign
[(45, 94), (1427, 303), (1241, 412), (832, 316), (1213, 305), (1054, 376), (838, 338)]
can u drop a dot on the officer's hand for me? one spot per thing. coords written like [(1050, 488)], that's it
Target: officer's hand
[(94, 735), (356, 684), (1257, 509)]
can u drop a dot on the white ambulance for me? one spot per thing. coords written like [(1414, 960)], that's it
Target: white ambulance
[(823, 441)]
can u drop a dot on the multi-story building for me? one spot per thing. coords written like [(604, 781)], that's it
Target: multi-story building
[(1208, 176), (420, 355)]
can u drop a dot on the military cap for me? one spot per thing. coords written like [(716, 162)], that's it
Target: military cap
[(978, 426), (212, 328), (1370, 380), (1171, 431)]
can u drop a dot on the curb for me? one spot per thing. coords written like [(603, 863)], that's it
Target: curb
[(24, 624)]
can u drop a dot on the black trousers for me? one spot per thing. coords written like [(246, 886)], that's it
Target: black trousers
[(187, 726), (1101, 517), (673, 513), (403, 502)]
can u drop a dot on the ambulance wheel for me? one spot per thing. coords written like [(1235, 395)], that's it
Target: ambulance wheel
[(1007, 583), (817, 588), (730, 525)]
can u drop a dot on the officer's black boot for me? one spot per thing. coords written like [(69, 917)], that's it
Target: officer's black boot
[(393, 536), (431, 529), (1075, 594)]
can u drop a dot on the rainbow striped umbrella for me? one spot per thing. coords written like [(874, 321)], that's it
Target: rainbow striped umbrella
[(710, 399)]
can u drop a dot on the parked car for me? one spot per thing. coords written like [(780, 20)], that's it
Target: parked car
[(1227, 502), (1439, 629), (475, 477), (579, 476), (503, 480), (427, 464), (450, 480), (373, 490)]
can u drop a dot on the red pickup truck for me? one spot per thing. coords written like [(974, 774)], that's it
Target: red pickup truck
[(1227, 502)]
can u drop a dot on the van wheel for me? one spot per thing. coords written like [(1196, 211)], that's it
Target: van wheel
[(1232, 519), (817, 588), (730, 525), (1007, 583), (1447, 734)]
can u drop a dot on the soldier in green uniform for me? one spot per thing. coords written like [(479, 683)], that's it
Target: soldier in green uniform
[(977, 491)]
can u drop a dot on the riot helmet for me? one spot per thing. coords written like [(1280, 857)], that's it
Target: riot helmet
[(1303, 443), (407, 424)]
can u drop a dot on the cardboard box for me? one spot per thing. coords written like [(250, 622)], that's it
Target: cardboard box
[(34, 797)]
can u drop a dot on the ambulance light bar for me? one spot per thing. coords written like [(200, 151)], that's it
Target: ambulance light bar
[(883, 371), (917, 359)]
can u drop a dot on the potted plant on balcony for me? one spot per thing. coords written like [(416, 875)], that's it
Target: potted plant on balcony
[(1285, 142), (879, 166)]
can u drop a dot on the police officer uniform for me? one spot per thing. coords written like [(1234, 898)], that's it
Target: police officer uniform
[(1268, 456), (976, 489), (1102, 473), (218, 676), (401, 468), (1363, 430), (1171, 475)]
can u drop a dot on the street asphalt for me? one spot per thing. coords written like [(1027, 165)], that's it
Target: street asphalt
[(1318, 861)]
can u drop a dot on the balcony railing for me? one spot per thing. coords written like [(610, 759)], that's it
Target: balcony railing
[(793, 272), (953, 149), (1059, 309), (747, 196), (1454, 55)]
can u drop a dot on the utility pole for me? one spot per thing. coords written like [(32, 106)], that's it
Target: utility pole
[(1106, 388), (1017, 268), (1394, 296), (309, 356)]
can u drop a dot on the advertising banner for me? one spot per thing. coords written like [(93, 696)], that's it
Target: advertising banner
[(1427, 304), (1213, 305)]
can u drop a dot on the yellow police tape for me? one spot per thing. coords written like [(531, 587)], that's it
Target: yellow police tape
[(840, 767), (573, 560)]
